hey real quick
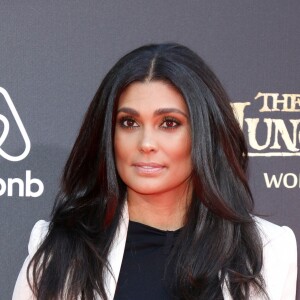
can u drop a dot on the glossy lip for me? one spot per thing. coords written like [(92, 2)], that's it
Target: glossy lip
[(150, 168)]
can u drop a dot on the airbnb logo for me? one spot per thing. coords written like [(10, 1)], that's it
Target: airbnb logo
[(30, 187), (6, 129)]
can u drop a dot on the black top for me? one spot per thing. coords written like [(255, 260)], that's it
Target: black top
[(143, 273)]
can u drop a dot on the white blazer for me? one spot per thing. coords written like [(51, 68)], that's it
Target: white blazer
[(279, 260)]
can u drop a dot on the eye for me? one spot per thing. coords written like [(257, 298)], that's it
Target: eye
[(127, 122), (170, 123)]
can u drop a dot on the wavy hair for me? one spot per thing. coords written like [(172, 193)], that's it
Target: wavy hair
[(219, 244)]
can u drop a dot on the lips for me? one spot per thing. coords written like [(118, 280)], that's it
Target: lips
[(148, 168)]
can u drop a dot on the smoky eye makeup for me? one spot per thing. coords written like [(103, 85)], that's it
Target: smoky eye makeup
[(166, 123), (127, 122), (170, 123)]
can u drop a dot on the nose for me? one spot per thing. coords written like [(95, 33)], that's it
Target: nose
[(147, 143)]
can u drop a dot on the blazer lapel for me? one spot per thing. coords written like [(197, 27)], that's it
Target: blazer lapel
[(115, 256)]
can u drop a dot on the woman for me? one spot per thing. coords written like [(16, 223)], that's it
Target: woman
[(159, 146)]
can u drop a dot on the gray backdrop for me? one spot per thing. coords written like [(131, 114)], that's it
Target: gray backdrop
[(53, 54)]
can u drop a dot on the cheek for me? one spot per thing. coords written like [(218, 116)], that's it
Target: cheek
[(183, 156), (122, 150), (179, 148), (118, 152)]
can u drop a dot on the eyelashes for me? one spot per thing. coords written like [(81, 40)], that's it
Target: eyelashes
[(128, 122), (168, 123)]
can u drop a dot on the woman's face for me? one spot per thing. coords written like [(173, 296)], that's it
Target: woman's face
[(152, 139)]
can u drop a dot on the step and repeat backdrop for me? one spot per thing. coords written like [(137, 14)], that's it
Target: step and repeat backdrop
[(53, 55)]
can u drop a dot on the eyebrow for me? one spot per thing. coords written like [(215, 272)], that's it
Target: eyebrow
[(158, 112)]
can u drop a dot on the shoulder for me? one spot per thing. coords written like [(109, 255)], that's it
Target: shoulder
[(22, 289), (37, 236), (271, 232), (279, 259)]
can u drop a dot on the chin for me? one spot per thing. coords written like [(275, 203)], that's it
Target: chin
[(147, 190)]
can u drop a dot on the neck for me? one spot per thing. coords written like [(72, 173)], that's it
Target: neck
[(165, 212)]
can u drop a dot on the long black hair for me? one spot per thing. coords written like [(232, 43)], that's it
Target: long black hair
[(218, 246)]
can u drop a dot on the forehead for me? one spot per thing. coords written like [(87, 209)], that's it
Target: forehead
[(152, 95)]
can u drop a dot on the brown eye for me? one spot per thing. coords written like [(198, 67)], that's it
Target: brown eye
[(128, 123), (170, 124)]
